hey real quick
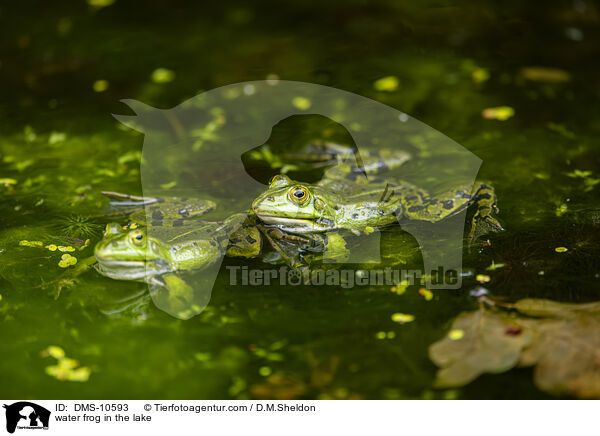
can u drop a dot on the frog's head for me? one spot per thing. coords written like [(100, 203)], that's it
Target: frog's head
[(296, 207), (130, 254)]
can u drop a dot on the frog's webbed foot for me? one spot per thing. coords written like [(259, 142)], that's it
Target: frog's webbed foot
[(276, 234), (288, 246), (483, 222)]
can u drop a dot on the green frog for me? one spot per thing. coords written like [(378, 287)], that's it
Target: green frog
[(137, 254), (339, 203), (170, 211), (327, 154), (160, 243)]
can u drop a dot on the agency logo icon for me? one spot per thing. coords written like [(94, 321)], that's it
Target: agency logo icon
[(26, 415)]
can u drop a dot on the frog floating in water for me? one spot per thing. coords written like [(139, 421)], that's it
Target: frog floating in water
[(298, 207), (344, 200), (327, 154), (298, 220), (166, 237)]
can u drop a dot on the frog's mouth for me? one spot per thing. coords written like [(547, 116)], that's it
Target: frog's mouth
[(131, 269), (269, 219), (298, 224)]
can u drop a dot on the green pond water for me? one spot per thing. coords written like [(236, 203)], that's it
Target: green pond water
[(63, 70)]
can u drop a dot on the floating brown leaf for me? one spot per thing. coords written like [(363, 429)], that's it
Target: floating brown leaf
[(492, 342), (562, 341), (566, 355)]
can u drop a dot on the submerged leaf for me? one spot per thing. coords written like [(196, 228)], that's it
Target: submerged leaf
[(548, 308), (566, 355), (562, 341), (491, 342)]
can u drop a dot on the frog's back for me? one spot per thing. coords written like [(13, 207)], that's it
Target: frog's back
[(172, 212)]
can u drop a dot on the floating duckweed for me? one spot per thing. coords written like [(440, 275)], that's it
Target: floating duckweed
[(456, 334), (380, 335), (401, 287), (391, 335), (56, 137), (54, 351), (579, 173), (500, 113), (25, 243), (480, 75), (426, 293), (482, 278), (231, 93), (163, 75), (561, 249), (402, 318), (66, 368), (133, 226), (67, 260), (100, 85), (451, 394), (265, 371), (369, 230), (7, 181), (388, 83), (545, 74), (301, 103), (51, 247), (68, 248), (29, 133), (100, 3), (562, 209), (494, 266)]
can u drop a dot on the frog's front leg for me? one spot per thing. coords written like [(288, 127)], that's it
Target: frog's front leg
[(287, 245), (172, 294)]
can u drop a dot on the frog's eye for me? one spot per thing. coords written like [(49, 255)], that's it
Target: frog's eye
[(298, 194), (279, 180), (138, 238)]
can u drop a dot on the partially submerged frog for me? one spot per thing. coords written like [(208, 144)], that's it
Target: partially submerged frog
[(137, 254), (336, 204), (171, 211), (155, 250), (165, 257), (320, 154)]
